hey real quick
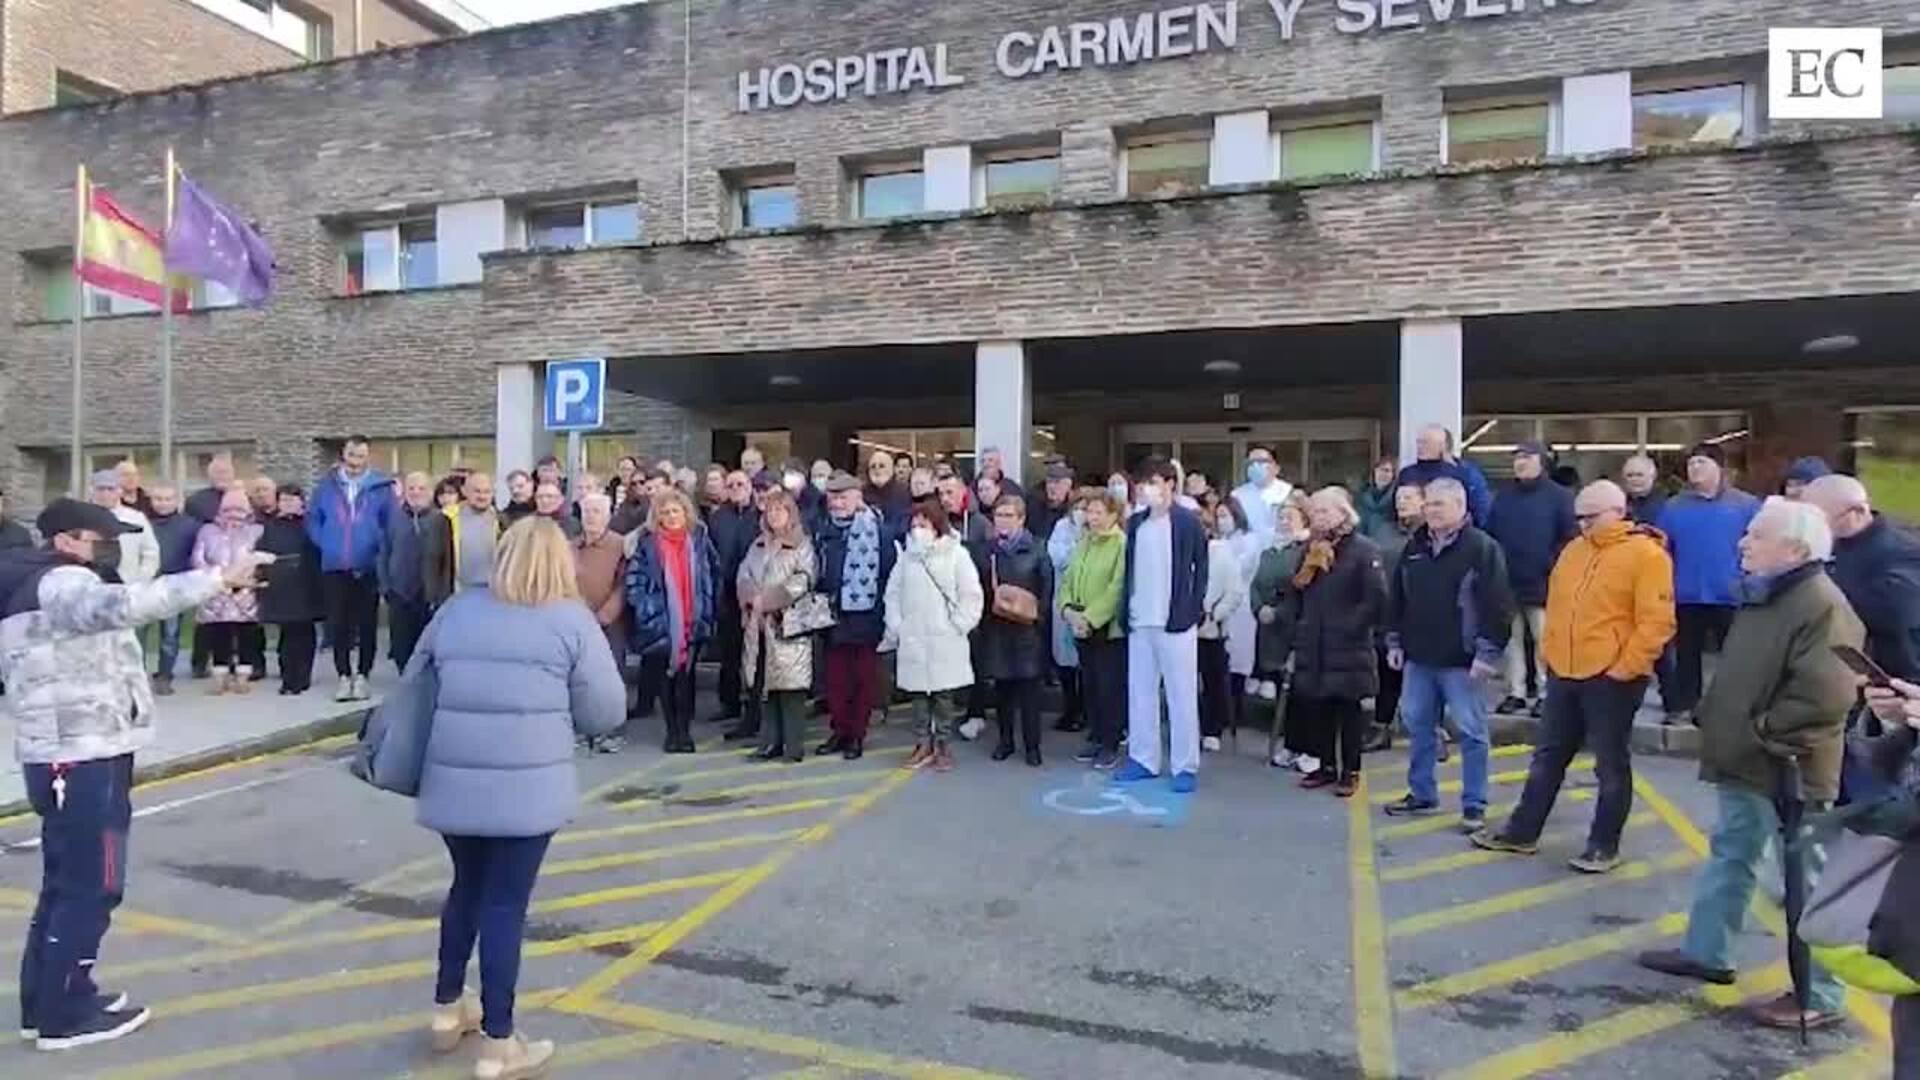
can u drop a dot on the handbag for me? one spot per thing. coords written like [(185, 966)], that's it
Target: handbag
[(1011, 602), (810, 614), (392, 749)]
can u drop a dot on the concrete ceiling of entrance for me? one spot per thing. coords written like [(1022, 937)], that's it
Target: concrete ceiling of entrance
[(1325, 355), (1696, 339), (825, 375)]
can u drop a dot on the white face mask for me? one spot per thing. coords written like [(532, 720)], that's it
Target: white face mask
[(793, 482), (1227, 526), (1080, 519), (1118, 491), (820, 483), (922, 536)]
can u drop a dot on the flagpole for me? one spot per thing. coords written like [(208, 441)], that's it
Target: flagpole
[(166, 335), (75, 446)]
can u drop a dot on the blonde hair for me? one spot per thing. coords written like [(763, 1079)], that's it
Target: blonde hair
[(534, 564), (671, 495)]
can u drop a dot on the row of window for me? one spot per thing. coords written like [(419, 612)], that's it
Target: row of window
[(406, 254)]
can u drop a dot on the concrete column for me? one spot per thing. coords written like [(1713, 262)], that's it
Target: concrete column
[(1003, 403), (1089, 161), (1430, 378), (1596, 113), (1242, 149), (822, 182), (465, 231), (1410, 127), (519, 431), (947, 172)]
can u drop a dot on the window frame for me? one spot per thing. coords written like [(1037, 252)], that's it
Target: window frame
[(1752, 100), (1201, 136), (739, 184), (1901, 61), (983, 162), (82, 90), (1509, 101), (1278, 167), (867, 170)]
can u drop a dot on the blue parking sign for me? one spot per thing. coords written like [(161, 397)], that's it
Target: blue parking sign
[(576, 394)]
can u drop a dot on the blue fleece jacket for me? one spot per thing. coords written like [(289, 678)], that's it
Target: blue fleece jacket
[(1532, 520), (1479, 497), (1704, 534), (348, 532)]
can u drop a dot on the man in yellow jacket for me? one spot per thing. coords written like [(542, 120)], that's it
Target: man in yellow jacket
[(1609, 615)]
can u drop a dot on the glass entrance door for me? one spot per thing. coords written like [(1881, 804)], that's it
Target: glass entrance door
[(1311, 453)]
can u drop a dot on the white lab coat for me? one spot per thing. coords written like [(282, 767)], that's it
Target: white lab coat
[(139, 551), (1262, 507)]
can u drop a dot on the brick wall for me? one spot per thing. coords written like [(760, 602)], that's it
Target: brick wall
[(128, 45)]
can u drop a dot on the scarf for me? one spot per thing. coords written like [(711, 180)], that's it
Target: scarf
[(860, 573), (1318, 559), (676, 564)]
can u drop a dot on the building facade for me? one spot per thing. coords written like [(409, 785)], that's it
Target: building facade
[(1100, 228), (65, 52)]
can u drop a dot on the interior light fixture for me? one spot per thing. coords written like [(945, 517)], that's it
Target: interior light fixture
[(1830, 343), (783, 380), (1221, 367)]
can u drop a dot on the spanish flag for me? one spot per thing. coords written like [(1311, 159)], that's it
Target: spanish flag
[(121, 255)]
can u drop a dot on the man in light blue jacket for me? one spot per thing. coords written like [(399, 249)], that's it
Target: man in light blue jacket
[(1704, 525), (348, 518)]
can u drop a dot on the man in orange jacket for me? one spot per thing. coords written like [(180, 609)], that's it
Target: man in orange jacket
[(1609, 615)]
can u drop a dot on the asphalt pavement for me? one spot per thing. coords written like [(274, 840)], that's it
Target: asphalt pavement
[(708, 916)]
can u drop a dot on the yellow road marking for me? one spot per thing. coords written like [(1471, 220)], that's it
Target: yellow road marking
[(599, 791), (632, 858), (1865, 1009), (812, 1072), (1520, 899), (1511, 776), (768, 768), (620, 970), (1399, 768), (302, 1042), (1854, 1064), (770, 1042), (1445, 864), (1611, 1032), (1372, 993), (1534, 964), (143, 922), (696, 798), (636, 892), (569, 1056), (692, 820), (1441, 822)]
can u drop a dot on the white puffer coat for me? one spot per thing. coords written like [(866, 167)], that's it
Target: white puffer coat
[(933, 602)]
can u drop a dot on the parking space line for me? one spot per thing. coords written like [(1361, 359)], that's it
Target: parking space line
[(1854, 1064), (1462, 860), (768, 768), (145, 922), (1534, 964), (1441, 822), (692, 820), (1400, 768), (301, 1042), (769, 1042), (811, 1072), (1520, 899), (646, 855), (1511, 776), (696, 798), (635, 892), (1372, 990), (569, 1056), (1611, 1032), (613, 974)]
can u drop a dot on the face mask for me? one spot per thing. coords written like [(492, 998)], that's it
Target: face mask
[(1258, 472), (793, 482), (1080, 519), (1227, 526), (820, 483), (1118, 491), (922, 535)]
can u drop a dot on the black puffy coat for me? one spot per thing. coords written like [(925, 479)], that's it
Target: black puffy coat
[(1339, 616), (292, 594), (1011, 650)]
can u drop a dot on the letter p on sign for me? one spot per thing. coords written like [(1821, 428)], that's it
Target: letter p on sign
[(1824, 74), (576, 394)]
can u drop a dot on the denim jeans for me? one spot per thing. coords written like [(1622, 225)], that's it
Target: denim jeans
[(1721, 894), (492, 883), (83, 860), (1423, 693), (168, 631), (1597, 713)]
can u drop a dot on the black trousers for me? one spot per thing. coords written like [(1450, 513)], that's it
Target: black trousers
[(730, 639), (1598, 713), (1386, 703), (406, 621), (297, 642), (223, 642), (1072, 708), (253, 649), (1697, 624), (1021, 698), (1335, 730), (353, 619), (675, 690), (1103, 684), (1906, 1037), (1216, 688)]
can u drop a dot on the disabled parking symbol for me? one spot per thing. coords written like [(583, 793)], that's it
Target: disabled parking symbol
[(1150, 803)]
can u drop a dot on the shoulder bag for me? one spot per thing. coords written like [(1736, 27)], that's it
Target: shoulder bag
[(1011, 602), (393, 742)]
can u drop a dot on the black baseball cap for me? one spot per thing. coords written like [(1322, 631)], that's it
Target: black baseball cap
[(71, 515)]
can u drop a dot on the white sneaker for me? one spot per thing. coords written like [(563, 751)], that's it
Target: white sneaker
[(971, 728), (1211, 744), (344, 691), (1307, 764), (360, 688), (1283, 759)]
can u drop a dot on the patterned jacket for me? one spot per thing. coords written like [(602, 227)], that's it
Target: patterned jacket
[(76, 680)]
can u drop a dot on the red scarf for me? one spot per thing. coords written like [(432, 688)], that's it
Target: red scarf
[(675, 557)]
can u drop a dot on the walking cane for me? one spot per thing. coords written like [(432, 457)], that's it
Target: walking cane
[(1791, 806)]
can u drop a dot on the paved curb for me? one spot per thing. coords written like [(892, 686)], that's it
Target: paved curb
[(259, 746), (1660, 740)]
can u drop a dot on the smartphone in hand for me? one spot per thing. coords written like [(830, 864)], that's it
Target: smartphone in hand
[(1862, 665)]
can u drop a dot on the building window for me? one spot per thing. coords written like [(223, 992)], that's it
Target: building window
[(1499, 133), (71, 89), (189, 464), (1168, 165), (1030, 178), (613, 223), (388, 258), (1596, 446), (419, 255), (584, 225), (1883, 445), (891, 192), (1344, 149), (774, 205), (1902, 99), (1707, 114)]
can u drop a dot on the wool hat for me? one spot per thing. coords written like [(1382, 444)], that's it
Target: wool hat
[(1710, 451), (1808, 469), (842, 480)]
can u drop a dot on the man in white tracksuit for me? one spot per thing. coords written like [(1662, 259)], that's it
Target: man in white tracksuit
[(1160, 610), (1263, 494)]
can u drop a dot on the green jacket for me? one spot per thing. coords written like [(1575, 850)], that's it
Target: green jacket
[(1779, 692), (1094, 578), (1273, 587)]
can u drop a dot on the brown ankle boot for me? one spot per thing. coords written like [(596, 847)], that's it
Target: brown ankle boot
[(513, 1058)]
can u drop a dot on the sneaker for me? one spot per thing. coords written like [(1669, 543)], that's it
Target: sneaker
[(1446, 752), (921, 757), (1184, 783), (513, 1058), (360, 691), (1283, 759), (1677, 962), (1593, 861), (1493, 840), (1677, 717), (107, 1003), (1784, 1012), (1381, 738), (1107, 761), (1087, 754), (1538, 708), (1306, 764), (163, 685), (1511, 704), (1211, 744), (343, 691), (1132, 773), (454, 1022), (1472, 820), (971, 727), (101, 1027), (611, 744), (1408, 806)]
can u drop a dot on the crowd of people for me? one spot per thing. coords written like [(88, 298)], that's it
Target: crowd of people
[(1423, 601)]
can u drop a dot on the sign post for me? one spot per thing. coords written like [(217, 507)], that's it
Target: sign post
[(576, 402)]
